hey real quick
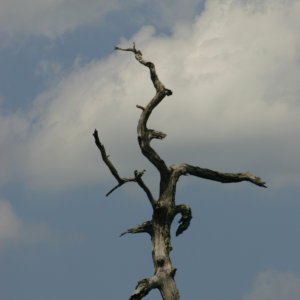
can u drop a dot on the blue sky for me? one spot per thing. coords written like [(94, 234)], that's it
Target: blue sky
[(233, 66)]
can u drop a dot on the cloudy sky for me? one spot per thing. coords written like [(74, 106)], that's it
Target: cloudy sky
[(234, 68)]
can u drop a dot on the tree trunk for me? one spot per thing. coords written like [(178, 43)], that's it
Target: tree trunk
[(161, 246)]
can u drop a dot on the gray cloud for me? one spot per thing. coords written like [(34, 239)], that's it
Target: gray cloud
[(9, 223), (51, 18), (274, 285), (234, 73), (14, 231)]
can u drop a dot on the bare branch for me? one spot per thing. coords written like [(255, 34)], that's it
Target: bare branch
[(145, 227), (185, 169), (122, 180), (153, 134), (140, 182), (139, 57), (140, 107), (106, 159), (186, 217), (114, 188), (144, 287), (144, 134)]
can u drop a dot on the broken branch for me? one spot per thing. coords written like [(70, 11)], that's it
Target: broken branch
[(144, 287), (145, 227)]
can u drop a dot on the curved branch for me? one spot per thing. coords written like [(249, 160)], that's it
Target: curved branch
[(186, 217), (154, 78), (144, 134), (144, 287), (185, 169)]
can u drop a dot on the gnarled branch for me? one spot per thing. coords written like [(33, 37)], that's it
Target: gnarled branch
[(185, 169), (186, 217), (144, 134)]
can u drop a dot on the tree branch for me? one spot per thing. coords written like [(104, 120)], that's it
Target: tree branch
[(185, 169), (153, 134), (144, 134), (105, 158), (122, 180), (140, 182), (186, 217), (145, 227), (155, 80), (144, 287)]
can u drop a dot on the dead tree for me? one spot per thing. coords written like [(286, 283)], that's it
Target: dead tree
[(164, 208)]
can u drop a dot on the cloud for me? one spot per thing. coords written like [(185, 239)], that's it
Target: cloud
[(168, 13), (13, 230), (51, 18), (13, 128), (235, 77), (10, 224), (274, 285)]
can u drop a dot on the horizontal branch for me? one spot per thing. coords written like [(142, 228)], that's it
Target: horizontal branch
[(185, 169), (140, 107), (145, 227), (144, 287), (153, 134)]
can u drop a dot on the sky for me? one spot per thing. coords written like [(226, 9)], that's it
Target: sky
[(234, 69)]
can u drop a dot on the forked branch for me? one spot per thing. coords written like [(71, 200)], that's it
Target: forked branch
[(122, 180)]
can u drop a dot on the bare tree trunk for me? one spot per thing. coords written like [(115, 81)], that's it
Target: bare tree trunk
[(164, 208)]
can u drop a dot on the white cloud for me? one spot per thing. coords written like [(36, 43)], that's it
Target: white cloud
[(171, 12), (235, 76), (274, 285)]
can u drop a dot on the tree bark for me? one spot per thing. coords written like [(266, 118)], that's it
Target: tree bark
[(164, 208)]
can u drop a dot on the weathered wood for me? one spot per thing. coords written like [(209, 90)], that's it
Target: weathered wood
[(165, 208)]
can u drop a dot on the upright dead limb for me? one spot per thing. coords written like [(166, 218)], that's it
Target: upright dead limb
[(164, 208)]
